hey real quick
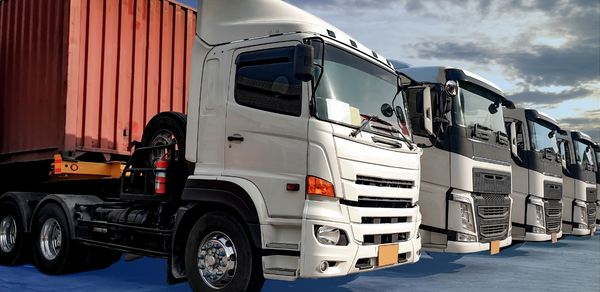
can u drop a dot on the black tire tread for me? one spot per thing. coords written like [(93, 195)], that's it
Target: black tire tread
[(72, 257), (252, 280), (18, 255)]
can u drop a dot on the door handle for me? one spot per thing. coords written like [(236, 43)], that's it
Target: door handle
[(235, 138)]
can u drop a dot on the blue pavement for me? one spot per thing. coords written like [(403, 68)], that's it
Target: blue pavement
[(572, 264)]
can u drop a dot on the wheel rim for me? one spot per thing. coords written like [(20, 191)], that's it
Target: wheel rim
[(8, 233), (50, 239), (163, 137), (217, 260)]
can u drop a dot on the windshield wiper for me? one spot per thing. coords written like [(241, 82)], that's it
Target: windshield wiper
[(371, 118)]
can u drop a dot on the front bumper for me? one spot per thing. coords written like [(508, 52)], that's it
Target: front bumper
[(581, 231), (343, 259), (530, 236), (465, 247)]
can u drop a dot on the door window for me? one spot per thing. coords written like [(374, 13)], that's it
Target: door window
[(265, 81)]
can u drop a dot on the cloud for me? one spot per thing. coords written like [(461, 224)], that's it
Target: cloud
[(343, 4), (588, 122), (538, 65), (529, 97)]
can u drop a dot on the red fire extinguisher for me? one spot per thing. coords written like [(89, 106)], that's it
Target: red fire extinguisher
[(161, 177)]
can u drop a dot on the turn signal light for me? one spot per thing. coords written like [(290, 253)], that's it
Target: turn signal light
[(317, 186)]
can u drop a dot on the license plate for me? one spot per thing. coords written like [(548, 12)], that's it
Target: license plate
[(495, 247), (388, 255), (554, 239)]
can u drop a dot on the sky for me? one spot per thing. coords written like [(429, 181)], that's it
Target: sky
[(544, 54)]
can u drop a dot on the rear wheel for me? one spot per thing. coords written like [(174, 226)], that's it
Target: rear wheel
[(13, 240), (54, 251), (219, 256)]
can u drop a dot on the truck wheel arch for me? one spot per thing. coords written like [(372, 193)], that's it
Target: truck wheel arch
[(26, 202), (205, 196), (68, 204)]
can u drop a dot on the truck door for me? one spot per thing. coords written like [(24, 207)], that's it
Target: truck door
[(267, 127)]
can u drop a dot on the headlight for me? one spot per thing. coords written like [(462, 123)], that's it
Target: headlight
[(583, 226), (583, 214), (538, 230), (466, 237), (539, 215), (466, 217), (327, 235)]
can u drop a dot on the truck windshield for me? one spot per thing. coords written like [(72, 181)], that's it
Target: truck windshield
[(352, 88), (542, 136), (471, 107), (583, 153)]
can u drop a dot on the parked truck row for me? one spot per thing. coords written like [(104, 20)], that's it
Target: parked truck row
[(251, 140)]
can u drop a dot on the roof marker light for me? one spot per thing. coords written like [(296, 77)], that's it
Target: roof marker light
[(353, 43), (374, 54), (331, 33)]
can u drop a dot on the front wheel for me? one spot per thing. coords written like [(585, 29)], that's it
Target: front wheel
[(219, 256)]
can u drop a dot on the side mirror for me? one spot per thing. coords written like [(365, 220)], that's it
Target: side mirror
[(508, 104), (424, 101), (513, 140), (387, 110), (400, 114), (419, 105), (304, 59)]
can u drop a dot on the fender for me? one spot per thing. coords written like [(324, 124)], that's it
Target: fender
[(26, 202), (69, 203), (224, 192), (220, 194)]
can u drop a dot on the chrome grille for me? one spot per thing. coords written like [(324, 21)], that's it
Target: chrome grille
[(492, 215), (553, 226), (553, 211), (591, 207), (493, 211), (385, 238), (383, 182), (383, 220), (494, 230), (379, 202)]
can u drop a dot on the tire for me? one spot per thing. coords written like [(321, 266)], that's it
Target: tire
[(218, 247), (163, 128), (54, 251), (13, 239)]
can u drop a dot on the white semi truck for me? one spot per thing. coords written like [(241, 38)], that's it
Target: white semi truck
[(579, 183), (290, 163), (466, 180), (537, 175)]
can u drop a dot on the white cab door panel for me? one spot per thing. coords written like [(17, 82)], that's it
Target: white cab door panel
[(267, 127)]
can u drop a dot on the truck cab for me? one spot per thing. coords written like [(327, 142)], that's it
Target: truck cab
[(579, 181), (536, 166), (466, 180)]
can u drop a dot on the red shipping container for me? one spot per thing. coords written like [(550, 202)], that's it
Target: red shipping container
[(87, 75)]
